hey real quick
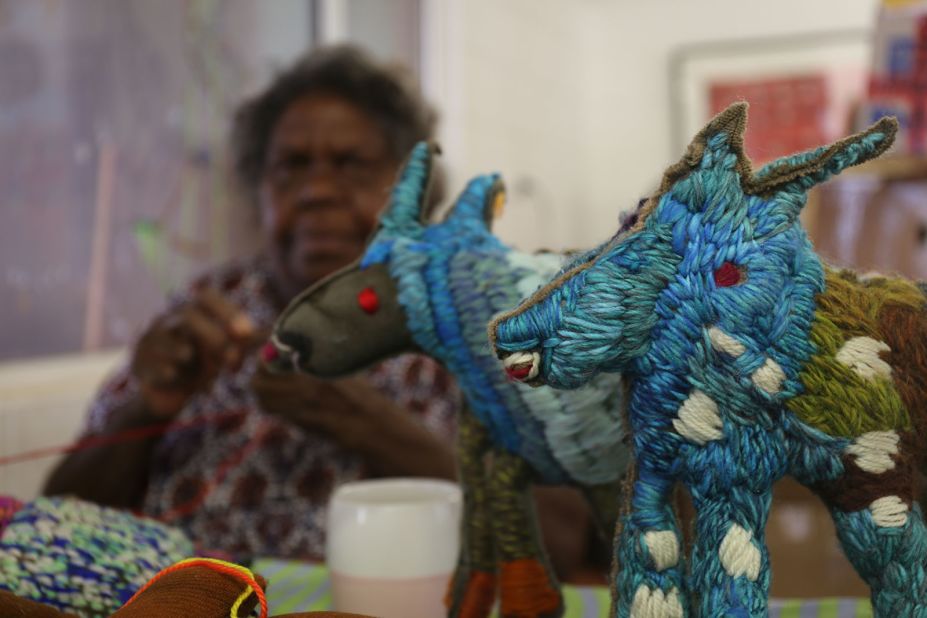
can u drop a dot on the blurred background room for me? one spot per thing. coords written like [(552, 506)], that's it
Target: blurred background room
[(114, 191)]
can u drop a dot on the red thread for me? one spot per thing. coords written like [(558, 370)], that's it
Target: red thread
[(368, 300), (155, 430), (227, 570), (129, 435), (727, 276), (519, 372), (234, 460)]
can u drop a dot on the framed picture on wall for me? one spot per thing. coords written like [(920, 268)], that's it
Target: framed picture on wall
[(802, 90)]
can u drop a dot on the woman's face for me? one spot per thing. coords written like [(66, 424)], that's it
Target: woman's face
[(327, 174)]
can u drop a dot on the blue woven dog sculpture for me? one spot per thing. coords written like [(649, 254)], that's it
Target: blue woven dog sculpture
[(747, 359), (437, 286)]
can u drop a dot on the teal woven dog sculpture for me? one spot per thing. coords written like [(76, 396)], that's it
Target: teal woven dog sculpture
[(747, 359), (436, 287)]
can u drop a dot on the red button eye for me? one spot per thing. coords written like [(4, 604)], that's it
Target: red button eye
[(368, 300), (727, 275)]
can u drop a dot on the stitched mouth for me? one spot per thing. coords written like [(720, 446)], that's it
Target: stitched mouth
[(522, 366), (278, 356)]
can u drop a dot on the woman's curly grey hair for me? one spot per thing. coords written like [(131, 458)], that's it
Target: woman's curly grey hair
[(387, 93)]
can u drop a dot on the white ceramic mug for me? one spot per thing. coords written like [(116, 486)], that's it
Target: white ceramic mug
[(392, 546)]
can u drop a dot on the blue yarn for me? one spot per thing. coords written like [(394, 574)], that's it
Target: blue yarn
[(875, 547), (713, 415), (83, 558), (376, 254)]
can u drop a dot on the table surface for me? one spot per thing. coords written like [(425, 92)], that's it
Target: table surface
[(300, 587)]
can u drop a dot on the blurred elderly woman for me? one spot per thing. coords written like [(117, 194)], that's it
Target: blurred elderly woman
[(254, 457), (251, 466)]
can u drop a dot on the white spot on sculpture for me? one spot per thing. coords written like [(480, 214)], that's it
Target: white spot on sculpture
[(873, 451), (723, 342), (698, 419), (769, 377), (663, 548), (650, 603), (889, 512), (861, 354), (739, 555)]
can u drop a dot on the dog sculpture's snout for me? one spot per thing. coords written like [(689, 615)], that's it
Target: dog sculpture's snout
[(285, 350), (521, 366)]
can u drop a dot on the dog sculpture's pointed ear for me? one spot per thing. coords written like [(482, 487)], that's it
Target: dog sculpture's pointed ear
[(720, 144), (479, 203), (793, 176), (406, 209)]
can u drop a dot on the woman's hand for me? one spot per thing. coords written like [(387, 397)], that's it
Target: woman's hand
[(360, 418), (345, 409), (183, 351)]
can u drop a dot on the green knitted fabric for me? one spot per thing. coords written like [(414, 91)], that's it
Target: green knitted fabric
[(836, 398), (84, 558)]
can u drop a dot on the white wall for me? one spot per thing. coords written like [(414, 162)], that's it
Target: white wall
[(43, 404), (282, 31), (508, 84), (570, 99), (628, 53)]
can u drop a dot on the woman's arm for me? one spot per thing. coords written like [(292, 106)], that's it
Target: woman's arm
[(361, 419), (114, 474), (180, 354)]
